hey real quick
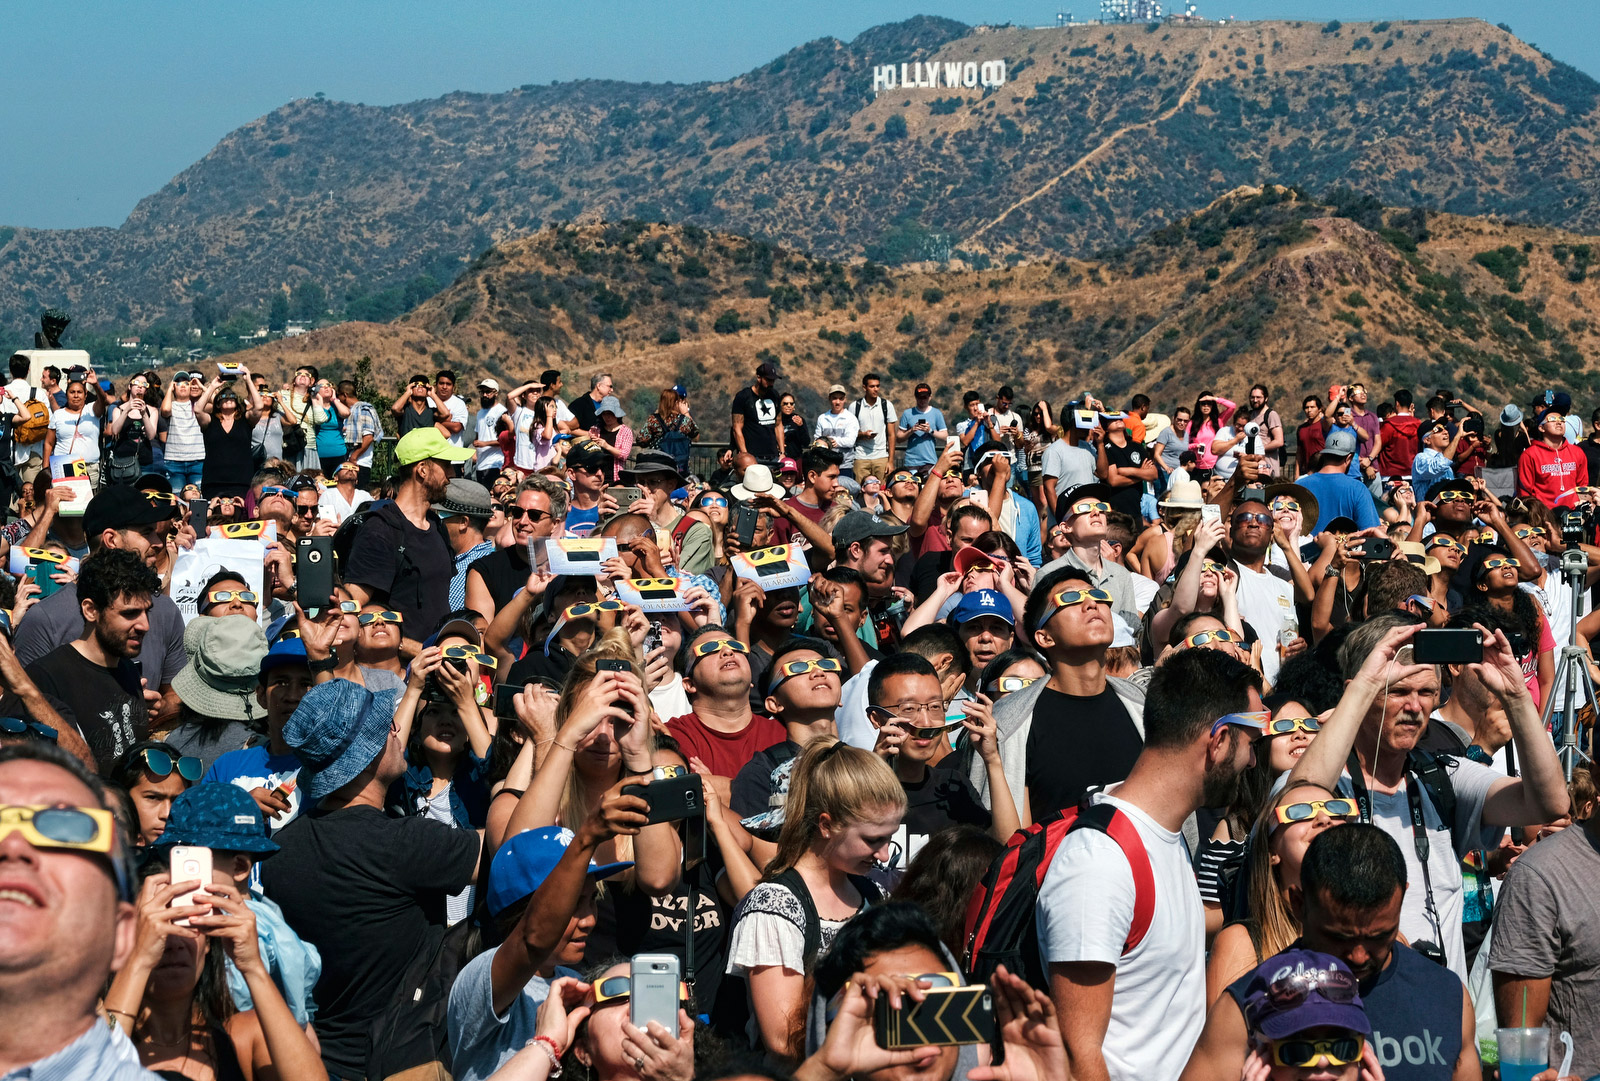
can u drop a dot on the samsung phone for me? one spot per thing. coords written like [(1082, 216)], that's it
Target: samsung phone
[(671, 798), (313, 572), (625, 495), (189, 863), (653, 980)]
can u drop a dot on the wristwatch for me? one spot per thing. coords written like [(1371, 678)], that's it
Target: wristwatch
[(1330, 571), (326, 664)]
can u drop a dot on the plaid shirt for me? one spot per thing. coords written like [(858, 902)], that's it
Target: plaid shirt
[(362, 421)]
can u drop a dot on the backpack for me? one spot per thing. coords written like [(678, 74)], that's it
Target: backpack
[(1002, 918), (31, 422)]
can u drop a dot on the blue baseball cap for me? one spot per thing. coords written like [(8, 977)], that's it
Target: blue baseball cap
[(218, 816), (1302, 989), (526, 860), (983, 602), (284, 651)]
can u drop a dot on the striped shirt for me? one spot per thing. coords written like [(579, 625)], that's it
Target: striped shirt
[(97, 1055), (362, 422), (458, 580), (185, 443)]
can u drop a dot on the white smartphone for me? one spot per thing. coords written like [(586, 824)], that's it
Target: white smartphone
[(1210, 512), (653, 981), (190, 864)]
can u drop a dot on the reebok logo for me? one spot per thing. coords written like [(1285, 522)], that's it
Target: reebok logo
[(1420, 1050)]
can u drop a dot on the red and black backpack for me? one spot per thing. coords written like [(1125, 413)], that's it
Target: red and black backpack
[(1002, 923)]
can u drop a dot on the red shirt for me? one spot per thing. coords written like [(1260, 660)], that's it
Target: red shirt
[(933, 539), (1399, 434), (1309, 440), (1551, 475), (725, 753), (783, 531)]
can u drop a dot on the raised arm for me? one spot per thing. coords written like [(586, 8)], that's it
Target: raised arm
[(1324, 759)]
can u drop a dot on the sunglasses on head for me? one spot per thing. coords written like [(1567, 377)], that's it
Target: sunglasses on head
[(1089, 506), (1252, 517), (516, 514), (162, 764), (1282, 726), (588, 609), (223, 596), (620, 988), (1339, 1051), (16, 726), (1294, 988), (717, 645), (368, 618), (468, 653), (789, 669), (1066, 598), (84, 829), (1305, 812), (1203, 638), (1010, 684), (1255, 720)]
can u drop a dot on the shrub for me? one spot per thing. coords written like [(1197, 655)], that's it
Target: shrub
[(729, 323), (670, 335), (907, 324)]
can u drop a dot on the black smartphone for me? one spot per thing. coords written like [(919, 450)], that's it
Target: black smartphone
[(947, 1016), (199, 511), (1447, 645), (745, 524), (1377, 548), (505, 706), (613, 666), (313, 572), (672, 798)]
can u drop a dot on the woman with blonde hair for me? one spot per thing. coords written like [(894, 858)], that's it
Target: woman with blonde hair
[(840, 818)]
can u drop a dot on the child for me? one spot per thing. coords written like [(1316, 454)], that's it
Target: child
[(1306, 1021)]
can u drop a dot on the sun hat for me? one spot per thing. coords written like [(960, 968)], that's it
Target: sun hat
[(983, 602), (336, 731), (224, 668), (1418, 556), (1299, 990), (1185, 495), (420, 444), (648, 462), (610, 404), (523, 863), (757, 481), (222, 817), (1301, 495), (466, 498), (863, 525), (1510, 417)]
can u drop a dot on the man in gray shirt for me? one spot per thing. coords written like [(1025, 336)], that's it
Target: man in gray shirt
[(1065, 465)]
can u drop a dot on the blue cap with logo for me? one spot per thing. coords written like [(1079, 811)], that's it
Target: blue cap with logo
[(983, 602), (526, 860), (1302, 989)]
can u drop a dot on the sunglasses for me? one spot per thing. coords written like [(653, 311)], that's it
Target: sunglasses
[(1339, 1051), (1089, 506), (1295, 988), (588, 609), (16, 726), (903, 478), (276, 489), (301, 510), (886, 716), (789, 669), (1526, 531), (620, 989), (712, 501), (1305, 812), (516, 513), (366, 619), (348, 608), (1255, 720), (1446, 542), (1203, 638), (717, 645), (467, 653), (161, 497), (86, 829), (1284, 725), (1252, 517), (1066, 598), (1211, 565), (1285, 504), (1496, 562), (1010, 684), (243, 596), (162, 764), (1454, 497)]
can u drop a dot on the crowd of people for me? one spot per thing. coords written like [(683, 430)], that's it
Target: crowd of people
[(1176, 745)]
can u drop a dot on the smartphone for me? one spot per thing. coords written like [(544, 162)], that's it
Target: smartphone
[(43, 572), (652, 638), (608, 665), (945, 1017), (745, 524), (625, 494), (672, 798), (1210, 512), (189, 864), (505, 706), (313, 571), (653, 980), (1377, 548), (199, 511), (538, 557), (1450, 645)]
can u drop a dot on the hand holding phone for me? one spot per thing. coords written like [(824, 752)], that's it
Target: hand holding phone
[(189, 863)]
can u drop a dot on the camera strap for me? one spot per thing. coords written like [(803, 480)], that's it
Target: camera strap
[(1419, 829)]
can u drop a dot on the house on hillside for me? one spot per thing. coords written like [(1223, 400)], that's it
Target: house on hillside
[(128, 343), (294, 330)]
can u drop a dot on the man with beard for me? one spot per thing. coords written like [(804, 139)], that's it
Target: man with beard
[(1380, 720), (490, 458), (401, 555), (538, 512), (1134, 1014), (93, 681)]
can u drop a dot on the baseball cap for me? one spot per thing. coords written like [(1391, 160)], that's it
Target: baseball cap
[(788, 465), (983, 602), (1299, 990), (489, 384), (1339, 445), (420, 444), (118, 506), (862, 525), (767, 370), (526, 860), (284, 651), (837, 388), (969, 557), (1093, 490)]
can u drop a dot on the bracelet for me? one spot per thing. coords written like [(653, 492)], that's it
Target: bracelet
[(550, 1048), (124, 1013)]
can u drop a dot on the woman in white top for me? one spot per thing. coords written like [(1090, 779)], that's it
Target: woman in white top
[(75, 428), (186, 445)]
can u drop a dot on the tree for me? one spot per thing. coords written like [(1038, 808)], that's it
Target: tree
[(309, 301), (205, 312), (278, 311), (894, 127)]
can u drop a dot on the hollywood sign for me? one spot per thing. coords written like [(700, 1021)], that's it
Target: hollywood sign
[(934, 74)]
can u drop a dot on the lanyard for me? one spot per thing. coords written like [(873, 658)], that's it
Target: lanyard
[(1419, 829)]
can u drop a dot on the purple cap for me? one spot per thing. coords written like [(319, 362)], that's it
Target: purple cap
[(1299, 990), (983, 602)]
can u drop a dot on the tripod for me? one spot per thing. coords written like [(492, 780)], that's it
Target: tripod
[(1572, 670)]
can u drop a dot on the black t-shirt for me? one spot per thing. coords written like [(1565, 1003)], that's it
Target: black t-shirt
[(760, 423), (584, 410), (1074, 744), (1132, 456), (944, 798), (368, 891), (504, 571), (409, 568), (925, 572), (229, 463), (412, 418), (636, 922), (105, 704), (750, 793), (795, 437)]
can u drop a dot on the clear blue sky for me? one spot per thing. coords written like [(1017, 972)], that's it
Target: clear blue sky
[(136, 90)]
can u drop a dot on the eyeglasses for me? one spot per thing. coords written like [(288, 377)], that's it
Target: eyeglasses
[(161, 764), (1454, 497), (243, 596), (588, 609), (620, 989), (1285, 504), (1525, 531), (1252, 517), (468, 653), (1305, 812), (86, 829), (368, 618), (1204, 638), (717, 645), (1339, 1051), (1256, 720), (789, 669), (516, 513), (276, 489), (1066, 598), (1496, 562), (16, 726), (1089, 506), (1282, 726), (1010, 684)]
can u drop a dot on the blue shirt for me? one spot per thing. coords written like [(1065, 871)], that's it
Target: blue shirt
[(581, 523), (1428, 468), (920, 447), (458, 581), (1338, 494), (98, 1055)]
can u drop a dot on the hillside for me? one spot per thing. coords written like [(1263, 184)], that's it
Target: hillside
[(1266, 284), (1101, 134)]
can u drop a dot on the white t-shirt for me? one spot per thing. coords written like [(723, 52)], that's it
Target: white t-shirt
[(331, 504), (522, 424), (1266, 602), (459, 413), (1085, 910), (185, 442), (842, 429), (77, 434), (483, 427), (874, 417), (18, 390)]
